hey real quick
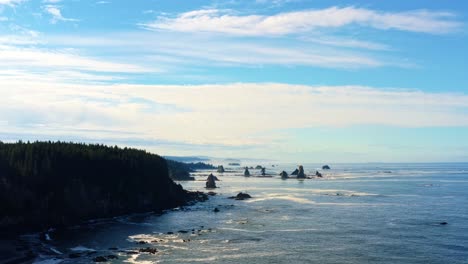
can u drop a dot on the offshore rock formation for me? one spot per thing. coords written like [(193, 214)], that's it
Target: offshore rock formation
[(325, 167), (258, 167), (220, 169), (284, 175), (318, 174), (263, 172), (295, 172), (210, 181), (241, 196), (246, 172), (300, 174)]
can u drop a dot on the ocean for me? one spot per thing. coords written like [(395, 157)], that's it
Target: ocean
[(356, 213)]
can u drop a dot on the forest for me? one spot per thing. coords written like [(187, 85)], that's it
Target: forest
[(44, 184)]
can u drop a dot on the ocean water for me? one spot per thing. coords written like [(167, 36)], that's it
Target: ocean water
[(356, 213)]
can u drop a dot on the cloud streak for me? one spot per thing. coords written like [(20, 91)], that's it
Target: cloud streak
[(56, 14), (225, 22), (218, 114), (12, 57)]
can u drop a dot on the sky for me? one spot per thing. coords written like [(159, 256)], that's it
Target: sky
[(286, 80)]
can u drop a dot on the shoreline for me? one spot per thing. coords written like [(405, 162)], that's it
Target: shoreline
[(25, 247)]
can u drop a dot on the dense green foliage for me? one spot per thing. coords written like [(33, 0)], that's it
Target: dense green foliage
[(44, 184), (181, 171)]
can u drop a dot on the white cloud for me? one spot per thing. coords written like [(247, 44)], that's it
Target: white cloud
[(219, 21), (47, 60), (3, 19), (225, 52), (10, 2), (231, 114), (56, 14)]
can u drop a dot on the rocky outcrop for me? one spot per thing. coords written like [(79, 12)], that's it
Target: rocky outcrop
[(295, 172), (263, 172), (220, 169), (210, 181), (318, 174), (325, 167), (241, 196), (301, 174), (258, 167), (246, 172), (284, 175)]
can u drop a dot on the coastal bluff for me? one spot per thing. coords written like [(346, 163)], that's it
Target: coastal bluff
[(55, 184)]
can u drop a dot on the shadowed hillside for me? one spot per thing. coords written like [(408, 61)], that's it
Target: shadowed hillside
[(46, 184)]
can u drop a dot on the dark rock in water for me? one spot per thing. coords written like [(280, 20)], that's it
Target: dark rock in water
[(295, 172), (100, 259), (131, 252), (211, 193), (300, 174), (142, 242), (241, 196), (263, 172), (210, 181), (220, 169), (216, 210), (325, 167), (112, 257), (318, 174), (284, 175), (183, 231), (258, 167), (443, 223), (74, 255), (148, 250), (246, 172), (170, 233)]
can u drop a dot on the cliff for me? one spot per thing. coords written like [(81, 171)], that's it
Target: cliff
[(53, 184)]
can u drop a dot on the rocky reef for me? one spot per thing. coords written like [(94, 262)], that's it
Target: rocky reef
[(220, 169), (284, 175), (211, 181), (301, 174)]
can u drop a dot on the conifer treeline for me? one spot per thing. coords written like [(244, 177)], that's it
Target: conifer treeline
[(45, 184)]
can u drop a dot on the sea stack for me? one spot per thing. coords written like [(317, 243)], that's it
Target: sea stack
[(295, 172), (284, 175), (220, 169), (318, 174), (263, 172), (246, 172), (210, 181), (300, 174), (325, 167)]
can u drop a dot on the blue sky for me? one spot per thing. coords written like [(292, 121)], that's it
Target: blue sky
[(291, 80)]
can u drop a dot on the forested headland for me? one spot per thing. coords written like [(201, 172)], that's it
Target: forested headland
[(53, 184)]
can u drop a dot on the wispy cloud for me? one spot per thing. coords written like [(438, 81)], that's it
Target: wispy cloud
[(34, 58), (226, 52), (56, 14), (225, 22), (219, 114), (10, 2)]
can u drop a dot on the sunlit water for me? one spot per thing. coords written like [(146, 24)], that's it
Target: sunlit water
[(367, 213)]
